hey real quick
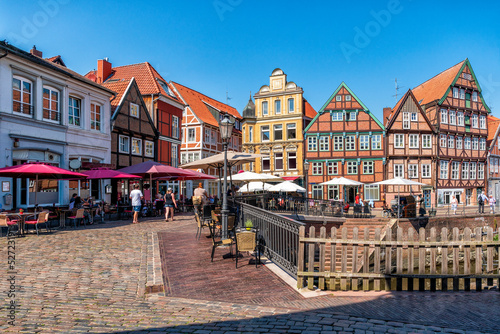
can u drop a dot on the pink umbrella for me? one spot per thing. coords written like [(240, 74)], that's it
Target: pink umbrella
[(39, 170), (194, 175), (105, 173)]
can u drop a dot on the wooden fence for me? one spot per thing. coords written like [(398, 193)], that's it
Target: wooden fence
[(412, 261)]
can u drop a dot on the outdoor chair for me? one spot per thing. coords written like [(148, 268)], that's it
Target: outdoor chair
[(201, 225), (159, 208), (246, 241), (43, 218), (367, 212), (357, 211), (79, 216), (109, 210), (5, 221), (219, 242)]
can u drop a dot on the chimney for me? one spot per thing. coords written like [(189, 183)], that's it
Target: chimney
[(387, 114), (104, 69), (36, 52)]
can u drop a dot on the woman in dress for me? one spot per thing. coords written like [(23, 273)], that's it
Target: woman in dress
[(170, 203), (454, 204)]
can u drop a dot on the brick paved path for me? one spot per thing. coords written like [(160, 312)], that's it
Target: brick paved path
[(92, 280)]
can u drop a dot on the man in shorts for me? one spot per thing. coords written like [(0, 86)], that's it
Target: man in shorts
[(136, 196)]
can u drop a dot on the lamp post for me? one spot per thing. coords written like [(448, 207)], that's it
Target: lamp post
[(226, 130), (306, 168)]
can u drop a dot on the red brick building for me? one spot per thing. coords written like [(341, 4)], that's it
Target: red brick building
[(493, 143), (345, 139)]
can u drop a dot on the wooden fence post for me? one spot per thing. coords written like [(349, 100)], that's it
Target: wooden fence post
[(456, 263), (354, 281), (343, 261), (301, 259), (489, 255), (478, 250), (467, 233), (388, 260), (421, 259), (444, 258), (399, 259), (376, 260), (411, 259), (310, 260), (333, 257), (322, 245), (366, 259), (433, 259)]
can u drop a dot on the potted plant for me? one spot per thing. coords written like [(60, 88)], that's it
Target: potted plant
[(248, 224)]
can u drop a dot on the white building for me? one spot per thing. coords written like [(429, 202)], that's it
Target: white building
[(50, 114)]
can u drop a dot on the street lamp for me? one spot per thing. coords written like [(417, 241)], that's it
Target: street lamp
[(306, 168), (226, 130)]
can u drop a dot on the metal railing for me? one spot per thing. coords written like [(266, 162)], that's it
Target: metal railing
[(278, 236)]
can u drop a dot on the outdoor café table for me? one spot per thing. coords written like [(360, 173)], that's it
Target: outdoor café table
[(22, 217), (91, 211), (121, 209), (62, 217)]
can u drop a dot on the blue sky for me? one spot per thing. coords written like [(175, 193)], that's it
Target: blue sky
[(216, 46)]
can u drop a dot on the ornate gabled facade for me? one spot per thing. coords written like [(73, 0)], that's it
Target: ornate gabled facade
[(345, 139), (275, 128), (493, 144), (453, 102), (411, 149)]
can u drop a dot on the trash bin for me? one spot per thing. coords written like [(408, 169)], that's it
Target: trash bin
[(7, 199)]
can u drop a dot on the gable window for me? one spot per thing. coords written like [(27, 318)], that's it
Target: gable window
[(455, 92), (398, 170), (292, 160), (51, 104), (175, 126), (265, 108), (338, 98), (426, 170), (474, 96), (475, 143), (317, 168), (352, 167), (278, 161), (480, 170), (291, 105), (414, 117), (134, 110), (266, 163), (324, 143), (482, 144), (124, 144), (459, 143), (191, 135), (413, 171), (367, 167), (291, 131), (333, 168), (264, 133), (338, 143), (364, 142), (406, 120), (278, 132), (442, 141), (348, 97), (460, 118), (443, 169), (312, 143), (467, 143), (414, 141), (352, 116), (250, 134), (376, 142), (472, 168), (22, 100), (149, 148), (482, 122), (337, 116), (74, 111), (451, 142), (399, 140), (136, 146), (444, 116), (465, 170), (474, 121), (462, 94), (277, 107), (95, 117), (452, 117), (426, 141), (350, 143)]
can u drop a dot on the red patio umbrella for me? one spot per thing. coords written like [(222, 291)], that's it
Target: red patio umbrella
[(39, 170), (106, 173), (193, 175)]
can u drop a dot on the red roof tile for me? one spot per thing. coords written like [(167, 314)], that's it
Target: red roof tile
[(435, 88), (493, 123), (119, 87), (198, 104), (309, 110)]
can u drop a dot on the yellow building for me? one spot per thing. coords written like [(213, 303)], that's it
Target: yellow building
[(274, 126)]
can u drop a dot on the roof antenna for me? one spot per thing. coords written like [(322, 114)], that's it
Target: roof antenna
[(397, 88), (227, 98)]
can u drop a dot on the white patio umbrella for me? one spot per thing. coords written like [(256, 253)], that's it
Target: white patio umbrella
[(288, 187), (251, 176), (342, 181), (254, 186), (398, 181)]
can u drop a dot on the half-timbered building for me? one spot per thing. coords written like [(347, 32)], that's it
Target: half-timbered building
[(200, 132), (134, 137), (411, 149), (345, 139), (453, 102), (493, 157)]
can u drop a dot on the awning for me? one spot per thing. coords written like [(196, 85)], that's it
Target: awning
[(290, 178)]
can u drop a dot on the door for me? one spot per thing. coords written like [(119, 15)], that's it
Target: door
[(427, 198)]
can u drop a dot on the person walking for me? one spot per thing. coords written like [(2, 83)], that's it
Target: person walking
[(136, 197), (170, 203), (480, 201), (200, 198), (454, 204), (492, 201)]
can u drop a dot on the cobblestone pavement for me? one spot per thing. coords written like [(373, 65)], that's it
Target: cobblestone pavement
[(93, 280)]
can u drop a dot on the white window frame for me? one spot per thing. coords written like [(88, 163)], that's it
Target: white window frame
[(371, 192), (291, 155), (475, 143), (413, 171), (268, 159), (175, 127), (414, 117), (80, 112), (368, 167), (443, 140), (121, 144), (265, 108), (482, 122), (460, 118), (426, 141), (324, 143), (455, 93), (312, 143), (443, 169), (292, 101), (317, 191), (465, 170), (352, 167), (426, 171), (317, 168), (451, 141), (263, 129), (444, 116), (413, 140), (50, 110), (482, 144), (348, 98), (338, 143), (462, 94), (455, 170), (459, 143), (93, 114), (21, 103), (467, 143), (277, 107), (277, 128), (277, 158), (134, 110), (475, 121), (399, 170), (472, 170), (174, 155), (337, 116), (406, 120), (291, 126), (149, 149), (376, 142), (364, 142), (350, 143), (191, 139), (250, 133), (332, 168), (399, 140), (480, 171), (139, 146), (352, 116), (338, 98), (453, 117), (474, 96)]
